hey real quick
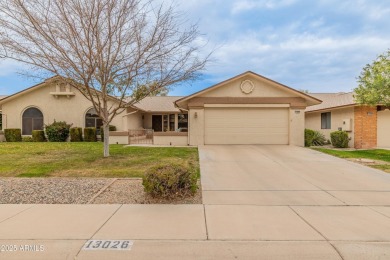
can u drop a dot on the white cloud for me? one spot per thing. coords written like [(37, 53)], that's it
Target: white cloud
[(8, 67), (245, 5), (373, 10)]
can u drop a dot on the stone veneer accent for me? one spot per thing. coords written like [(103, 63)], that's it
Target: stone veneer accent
[(365, 127)]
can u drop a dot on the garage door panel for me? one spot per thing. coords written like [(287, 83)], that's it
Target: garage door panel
[(254, 130), (246, 126), (383, 128), (246, 139)]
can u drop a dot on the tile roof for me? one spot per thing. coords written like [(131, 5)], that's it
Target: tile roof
[(331, 100), (158, 104)]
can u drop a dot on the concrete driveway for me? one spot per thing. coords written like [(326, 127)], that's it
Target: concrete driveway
[(287, 175), (286, 193)]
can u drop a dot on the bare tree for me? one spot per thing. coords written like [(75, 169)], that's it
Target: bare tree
[(104, 48)]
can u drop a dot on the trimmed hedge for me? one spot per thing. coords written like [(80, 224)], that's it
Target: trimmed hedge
[(57, 131), (38, 136), (169, 181), (27, 139), (110, 128), (309, 134), (76, 134), (90, 134), (339, 139), (13, 134)]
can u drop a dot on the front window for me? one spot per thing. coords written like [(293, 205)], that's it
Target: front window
[(1, 121), (182, 122), (325, 120), (32, 119), (92, 119)]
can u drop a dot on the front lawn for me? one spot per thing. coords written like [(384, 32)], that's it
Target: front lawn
[(86, 159), (381, 157), (377, 154)]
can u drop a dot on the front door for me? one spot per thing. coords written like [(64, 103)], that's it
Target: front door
[(157, 123)]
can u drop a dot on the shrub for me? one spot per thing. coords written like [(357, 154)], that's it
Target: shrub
[(38, 136), (309, 137), (168, 181), (339, 139), (13, 135), (27, 139), (313, 137), (90, 134), (76, 134), (110, 128), (318, 139), (57, 131)]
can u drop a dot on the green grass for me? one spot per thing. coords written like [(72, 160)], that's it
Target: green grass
[(377, 154), (86, 159)]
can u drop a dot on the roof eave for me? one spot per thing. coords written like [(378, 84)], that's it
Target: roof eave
[(330, 108), (314, 101)]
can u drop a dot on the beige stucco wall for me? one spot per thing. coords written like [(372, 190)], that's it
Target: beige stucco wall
[(313, 121), (383, 130), (119, 140), (133, 120), (297, 127), (196, 126), (262, 88), (72, 109), (170, 140)]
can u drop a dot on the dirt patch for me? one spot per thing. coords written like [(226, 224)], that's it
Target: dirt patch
[(377, 164)]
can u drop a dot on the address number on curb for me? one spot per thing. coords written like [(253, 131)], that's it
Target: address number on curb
[(108, 245)]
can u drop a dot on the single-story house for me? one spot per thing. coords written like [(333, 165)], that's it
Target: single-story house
[(245, 109), (367, 127)]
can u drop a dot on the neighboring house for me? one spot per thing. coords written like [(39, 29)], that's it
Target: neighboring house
[(246, 109), (1, 118), (367, 127)]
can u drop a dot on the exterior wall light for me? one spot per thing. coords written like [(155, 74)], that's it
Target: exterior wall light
[(196, 115)]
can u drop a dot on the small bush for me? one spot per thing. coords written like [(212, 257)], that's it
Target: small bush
[(38, 136), (90, 134), (57, 131), (13, 135), (27, 139), (309, 137), (339, 139), (76, 134), (318, 139), (168, 181), (110, 128), (313, 137)]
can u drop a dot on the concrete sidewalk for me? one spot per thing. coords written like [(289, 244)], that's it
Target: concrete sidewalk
[(198, 231)]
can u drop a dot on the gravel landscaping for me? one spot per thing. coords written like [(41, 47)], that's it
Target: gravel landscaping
[(79, 191), (131, 191)]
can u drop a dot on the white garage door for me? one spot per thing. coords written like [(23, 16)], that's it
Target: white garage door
[(246, 126), (383, 129)]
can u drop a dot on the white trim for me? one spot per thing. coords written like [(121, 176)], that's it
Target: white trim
[(246, 105)]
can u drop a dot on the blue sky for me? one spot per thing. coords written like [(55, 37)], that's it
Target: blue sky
[(320, 46)]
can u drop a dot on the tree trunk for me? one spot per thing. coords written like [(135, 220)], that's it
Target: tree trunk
[(106, 152)]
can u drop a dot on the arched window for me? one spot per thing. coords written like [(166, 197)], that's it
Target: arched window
[(93, 120), (32, 119)]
